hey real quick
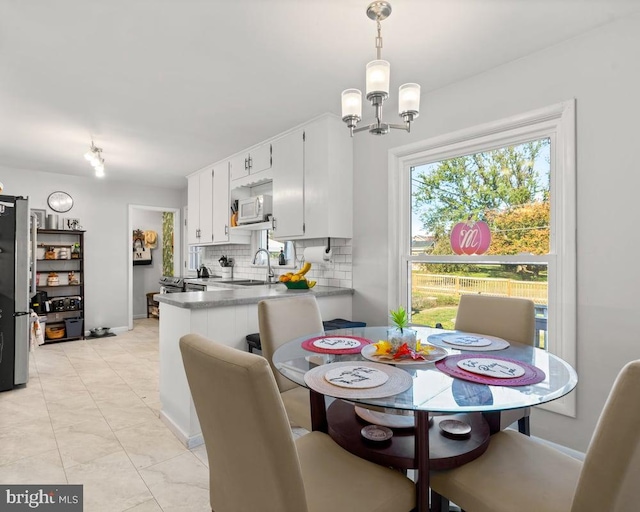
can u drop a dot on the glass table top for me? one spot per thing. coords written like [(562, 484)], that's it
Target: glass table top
[(433, 390)]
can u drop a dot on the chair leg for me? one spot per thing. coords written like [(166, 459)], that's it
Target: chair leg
[(523, 426), (439, 503)]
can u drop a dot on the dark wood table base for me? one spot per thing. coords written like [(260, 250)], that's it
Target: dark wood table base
[(344, 426)]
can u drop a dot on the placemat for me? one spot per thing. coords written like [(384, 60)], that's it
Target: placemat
[(496, 343), (357, 342), (532, 374), (399, 381)]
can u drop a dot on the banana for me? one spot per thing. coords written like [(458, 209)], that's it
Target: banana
[(305, 268)]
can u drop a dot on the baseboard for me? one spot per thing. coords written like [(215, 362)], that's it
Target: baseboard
[(189, 442)]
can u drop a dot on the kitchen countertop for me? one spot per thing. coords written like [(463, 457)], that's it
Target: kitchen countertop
[(233, 295)]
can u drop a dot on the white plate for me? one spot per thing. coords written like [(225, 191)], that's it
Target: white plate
[(336, 343), (437, 353), (467, 340), (385, 419), (356, 377), (455, 427), (497, 368)]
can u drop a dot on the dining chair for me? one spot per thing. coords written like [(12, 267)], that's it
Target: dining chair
[(281, 320), (509, 318), (254, 462), (519, 473)]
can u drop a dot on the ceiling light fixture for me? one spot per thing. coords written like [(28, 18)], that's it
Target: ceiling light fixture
[(94, 156), (378, 72)]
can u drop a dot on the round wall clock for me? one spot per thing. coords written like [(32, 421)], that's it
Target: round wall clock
[(60, 201)]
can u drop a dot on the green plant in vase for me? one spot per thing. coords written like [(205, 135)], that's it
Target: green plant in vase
[(400, 334)]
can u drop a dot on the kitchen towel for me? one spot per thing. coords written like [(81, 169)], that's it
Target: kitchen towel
[(317, 254)]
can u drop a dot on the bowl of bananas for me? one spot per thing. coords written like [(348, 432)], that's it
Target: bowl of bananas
[(297, 280)]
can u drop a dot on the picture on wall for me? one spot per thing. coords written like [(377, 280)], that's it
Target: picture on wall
[(141, 254)]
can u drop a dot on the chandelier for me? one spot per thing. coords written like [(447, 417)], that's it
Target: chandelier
[(94, 156), (378, 72)]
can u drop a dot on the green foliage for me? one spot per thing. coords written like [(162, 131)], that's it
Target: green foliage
[(522, 228), (167, 243), (480, 187), (399, 317)]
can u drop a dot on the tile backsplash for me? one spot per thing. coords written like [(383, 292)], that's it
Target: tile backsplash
[(337, 272)]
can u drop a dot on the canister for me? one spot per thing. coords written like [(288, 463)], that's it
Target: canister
[(52, 221)]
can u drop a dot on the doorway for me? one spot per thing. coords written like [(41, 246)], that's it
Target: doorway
[(148, 270)]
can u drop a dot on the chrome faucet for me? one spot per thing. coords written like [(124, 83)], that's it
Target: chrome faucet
[(270, 275)]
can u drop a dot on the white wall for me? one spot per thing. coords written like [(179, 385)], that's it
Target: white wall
[(146, 277), (102, 207), (599, 69)]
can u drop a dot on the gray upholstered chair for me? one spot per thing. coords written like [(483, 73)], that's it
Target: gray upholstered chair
[(282, 320), (254, 462), (505, 317), (518, 473)]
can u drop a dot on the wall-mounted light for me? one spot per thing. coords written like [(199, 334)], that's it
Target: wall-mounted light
[(378, 74), (94, 156)]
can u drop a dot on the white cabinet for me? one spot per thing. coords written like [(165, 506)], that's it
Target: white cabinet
[(222, 209), (288, 185), (200, 212), (209, 212), (313, 185), (251, 162)]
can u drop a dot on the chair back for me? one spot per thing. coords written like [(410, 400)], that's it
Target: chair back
[(610, 477), (505, 317), (253, 462), (282, 320)]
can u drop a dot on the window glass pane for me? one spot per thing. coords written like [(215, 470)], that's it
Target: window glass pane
[(436, 289), (194, 258), (508, 188)]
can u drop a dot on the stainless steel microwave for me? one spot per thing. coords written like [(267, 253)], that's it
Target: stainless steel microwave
[(255, 209)]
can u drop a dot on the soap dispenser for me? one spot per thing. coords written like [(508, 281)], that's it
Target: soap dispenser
[(281, 259)]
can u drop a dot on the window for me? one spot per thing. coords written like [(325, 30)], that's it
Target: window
[(194, 258), (265, 241), (516, 175)]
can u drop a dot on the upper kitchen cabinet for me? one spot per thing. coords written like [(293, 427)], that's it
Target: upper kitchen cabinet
[(246, 167), (200, 212), (222, 209), (209, 211), (313, 182)]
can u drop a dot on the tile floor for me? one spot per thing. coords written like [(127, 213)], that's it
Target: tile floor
[(89, 415)]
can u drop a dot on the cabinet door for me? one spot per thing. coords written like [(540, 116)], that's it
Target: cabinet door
[(221, 210), (193, 212), (239, 166), (288, 186), (260, 159), (206, 207)]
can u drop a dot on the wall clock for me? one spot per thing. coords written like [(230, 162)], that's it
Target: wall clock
[(60, 201)]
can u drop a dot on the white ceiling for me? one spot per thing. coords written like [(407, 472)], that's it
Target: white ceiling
[(166, 87)]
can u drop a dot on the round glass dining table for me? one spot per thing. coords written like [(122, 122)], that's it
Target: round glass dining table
[(432, 390)]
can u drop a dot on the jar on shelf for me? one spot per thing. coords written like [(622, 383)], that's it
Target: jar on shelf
[(53, 279)]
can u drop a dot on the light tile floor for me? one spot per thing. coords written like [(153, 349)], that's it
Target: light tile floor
[(89, 415)]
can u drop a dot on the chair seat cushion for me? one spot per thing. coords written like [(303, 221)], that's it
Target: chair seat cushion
[(515, 473), (336, 480), (296, 403)]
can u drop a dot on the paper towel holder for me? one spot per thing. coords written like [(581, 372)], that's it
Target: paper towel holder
[(328, 245)]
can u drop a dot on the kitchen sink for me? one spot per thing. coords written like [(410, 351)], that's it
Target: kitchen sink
[(246, 282)]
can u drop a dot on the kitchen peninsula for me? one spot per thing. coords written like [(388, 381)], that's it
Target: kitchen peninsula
[(225, 315)]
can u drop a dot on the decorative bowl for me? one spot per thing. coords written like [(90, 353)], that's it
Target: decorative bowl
[(100, 331), (297, 285)]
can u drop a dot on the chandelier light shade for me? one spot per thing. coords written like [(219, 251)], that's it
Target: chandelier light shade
[(94, 156), (378, 74)]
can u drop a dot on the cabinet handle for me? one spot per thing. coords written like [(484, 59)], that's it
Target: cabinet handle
[(250, 162), (226, 229), (273, 223), (246, 164)]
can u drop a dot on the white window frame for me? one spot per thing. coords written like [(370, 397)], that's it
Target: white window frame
[(556, 122)]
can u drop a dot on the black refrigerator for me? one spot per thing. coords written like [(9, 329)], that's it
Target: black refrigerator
[(16, 234)]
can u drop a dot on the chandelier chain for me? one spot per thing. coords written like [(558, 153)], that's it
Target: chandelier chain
[(379, 40)]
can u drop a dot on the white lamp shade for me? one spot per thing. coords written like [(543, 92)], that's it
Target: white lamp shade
[(89, 155), (378, 72), (352, 103), (409, 99)]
